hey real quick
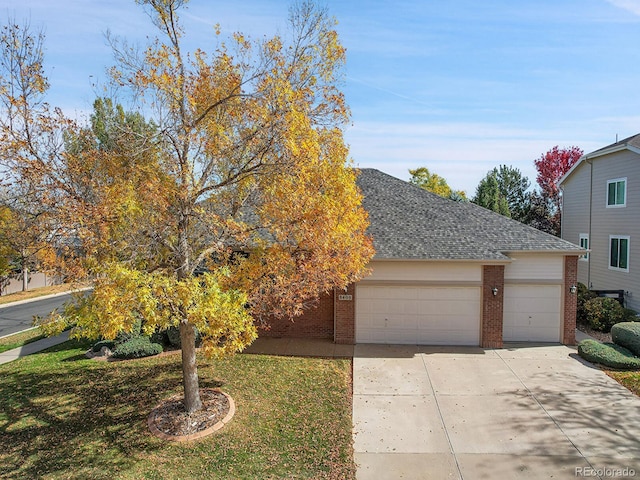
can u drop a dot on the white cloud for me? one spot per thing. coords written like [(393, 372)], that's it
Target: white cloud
[(632, 6), (463, 152)]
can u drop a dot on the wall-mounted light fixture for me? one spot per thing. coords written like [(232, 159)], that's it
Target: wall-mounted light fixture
[(494, 290), (573, 289)]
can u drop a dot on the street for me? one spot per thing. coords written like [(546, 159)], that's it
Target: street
[(20, 317)]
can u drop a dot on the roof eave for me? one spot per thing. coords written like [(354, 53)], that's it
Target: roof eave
[(576, 252), (596, 154), (485, 261)]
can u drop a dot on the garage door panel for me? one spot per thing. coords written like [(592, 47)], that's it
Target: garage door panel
[(452, 308), (445, 323), (418, 315), (532, 313), (541, 305), (448, 293)]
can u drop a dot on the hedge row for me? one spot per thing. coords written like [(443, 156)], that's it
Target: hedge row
[(622, 354), (608, 354)]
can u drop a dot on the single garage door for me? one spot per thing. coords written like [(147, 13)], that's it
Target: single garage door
[(532, 313), (418, 315)]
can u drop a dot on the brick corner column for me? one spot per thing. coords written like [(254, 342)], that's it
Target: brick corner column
[(570, 300), (345, 316), (492, 306)]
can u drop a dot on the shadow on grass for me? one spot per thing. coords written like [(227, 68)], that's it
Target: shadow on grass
[(63, 414)]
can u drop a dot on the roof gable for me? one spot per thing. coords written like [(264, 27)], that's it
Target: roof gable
[(631, 143), (407, 222)]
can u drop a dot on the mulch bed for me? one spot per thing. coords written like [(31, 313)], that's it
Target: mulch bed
[(170, 421), (601, 336)]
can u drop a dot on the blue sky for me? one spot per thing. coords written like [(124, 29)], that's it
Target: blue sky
[(458, 86)]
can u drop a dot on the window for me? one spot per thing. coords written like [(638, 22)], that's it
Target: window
[(619, 253), (617, 192), (584, 243)]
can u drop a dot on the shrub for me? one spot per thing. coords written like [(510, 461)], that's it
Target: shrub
[(630, 315), (173, 333), (603, 312), (160, 337), (135, 332), (137, 347), (103, 343), (584, 294), (608, 354), (627, 334)]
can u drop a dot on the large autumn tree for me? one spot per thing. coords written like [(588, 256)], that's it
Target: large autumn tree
[(247, 179), (551, 166)]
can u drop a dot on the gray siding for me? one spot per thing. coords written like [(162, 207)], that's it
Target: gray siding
[(616, 221), (575, 212)]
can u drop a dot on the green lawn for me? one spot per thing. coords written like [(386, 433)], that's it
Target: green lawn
[(19, 339), (630, 379), (64, 416)]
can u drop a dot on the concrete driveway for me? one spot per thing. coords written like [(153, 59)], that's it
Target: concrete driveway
[(467, 413)]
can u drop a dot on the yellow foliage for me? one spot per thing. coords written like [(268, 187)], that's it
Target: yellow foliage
[(122, 296)]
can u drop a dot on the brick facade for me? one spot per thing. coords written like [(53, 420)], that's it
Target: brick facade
[(345, 317), (570, 300), (492, 306), (334, 319), (317, 322)]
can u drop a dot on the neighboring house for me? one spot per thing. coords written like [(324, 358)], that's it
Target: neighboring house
[(601, 212), (447, 273)]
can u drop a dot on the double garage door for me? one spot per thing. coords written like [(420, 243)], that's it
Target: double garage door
[(451, 315), (418, 315)]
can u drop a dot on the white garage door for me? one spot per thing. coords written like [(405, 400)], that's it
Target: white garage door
[(532, 313), (418, 315)]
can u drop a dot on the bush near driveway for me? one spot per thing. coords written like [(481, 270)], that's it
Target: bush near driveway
[(603, 312), (627, 334), (584, 295), (608, 354)]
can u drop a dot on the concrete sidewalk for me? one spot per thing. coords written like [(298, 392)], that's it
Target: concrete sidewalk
[(522, 412), (33, 347)]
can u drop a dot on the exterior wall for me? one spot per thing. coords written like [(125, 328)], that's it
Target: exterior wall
[(570, 300), (616, 221), (575, 212), (492, 306), (534, 267), (438, 273), (345, 316), (317, 322), (36, 280)]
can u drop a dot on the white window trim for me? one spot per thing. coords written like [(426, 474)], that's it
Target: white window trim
[(585, 236), (606, 197), (628, 238)]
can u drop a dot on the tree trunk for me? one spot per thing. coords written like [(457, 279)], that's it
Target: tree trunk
[(25, 277), (192, 400), (190, 382)]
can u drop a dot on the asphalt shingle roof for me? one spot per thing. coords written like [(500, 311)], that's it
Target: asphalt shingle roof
[(407, 222), (633, 141)]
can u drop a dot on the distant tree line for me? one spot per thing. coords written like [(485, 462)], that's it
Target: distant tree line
[(506, 191)]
